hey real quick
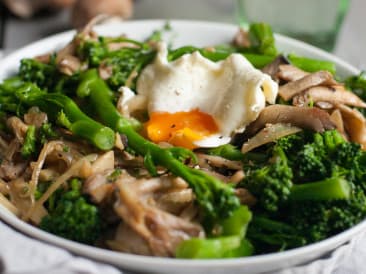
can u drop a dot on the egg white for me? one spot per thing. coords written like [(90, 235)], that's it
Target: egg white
[(231, 91)]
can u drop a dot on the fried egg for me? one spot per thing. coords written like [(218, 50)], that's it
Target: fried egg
[(193, 102)]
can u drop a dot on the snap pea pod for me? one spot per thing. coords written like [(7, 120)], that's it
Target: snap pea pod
[(311, 65), (257, 60)]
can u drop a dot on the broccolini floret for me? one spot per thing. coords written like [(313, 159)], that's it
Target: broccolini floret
[(73, 217), (45, 75), (271, 183), (318, 204)]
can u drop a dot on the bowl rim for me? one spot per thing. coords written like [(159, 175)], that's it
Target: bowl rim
[(105, 254)]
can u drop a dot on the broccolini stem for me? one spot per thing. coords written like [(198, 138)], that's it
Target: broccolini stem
[(328, 189), (29, 146), (231, 242), (221, 247), (63, 109), (217, 199)]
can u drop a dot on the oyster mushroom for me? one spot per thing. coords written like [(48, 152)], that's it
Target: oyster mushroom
[(355, 124), (302, 117), (290, 73), (336, 94), (273, 68), (293, 88)]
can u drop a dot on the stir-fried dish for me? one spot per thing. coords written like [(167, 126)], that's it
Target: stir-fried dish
[(215, 152)]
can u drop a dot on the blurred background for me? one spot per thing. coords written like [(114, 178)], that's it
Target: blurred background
[(335, 25)]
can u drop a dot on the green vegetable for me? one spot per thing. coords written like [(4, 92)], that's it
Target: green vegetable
[(231, 242), (357, 84), (45, 75), (328, 189), (63, 109), (46, 132), (215, 248), (8, 102), (270, 183), (29, 145), (122, 62), (324, 196), (320, 156), (311, 65), (237, 223), (216, 198), (257, 60), (227, 151), (262, 40), (73, 217), (268, 235)]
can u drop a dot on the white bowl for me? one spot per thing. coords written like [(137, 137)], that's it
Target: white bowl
[(198, 34)]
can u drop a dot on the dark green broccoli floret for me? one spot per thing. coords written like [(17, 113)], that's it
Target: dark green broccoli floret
[(270, 184), (46, 132), (268, 235), (319, 220), (357, 84), (45, 75), (310, 164), (313, 156), (121, 62), (314, 210), (74, 217)]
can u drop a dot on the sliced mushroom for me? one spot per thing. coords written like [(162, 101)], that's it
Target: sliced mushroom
[(35, 117), (206, 160), (119, 45), (18, 127), (245, 197), (273, 68), (302, 117), (128, 240), (162, 231), (355, 124), (336, 94), (98, 186), (10, 170), (337, 119), (290, 73), (105, 71), (291, 89), (269, 134), (69, 64), (241, 39)]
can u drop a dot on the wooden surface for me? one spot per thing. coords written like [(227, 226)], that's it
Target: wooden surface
[(15, 33)]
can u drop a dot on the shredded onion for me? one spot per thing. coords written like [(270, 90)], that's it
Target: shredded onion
[(47, 148)]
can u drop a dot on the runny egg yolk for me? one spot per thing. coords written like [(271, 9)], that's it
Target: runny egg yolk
[(180, 128)]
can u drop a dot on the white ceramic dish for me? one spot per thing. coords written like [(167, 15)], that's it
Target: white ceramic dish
[(199, 34)]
